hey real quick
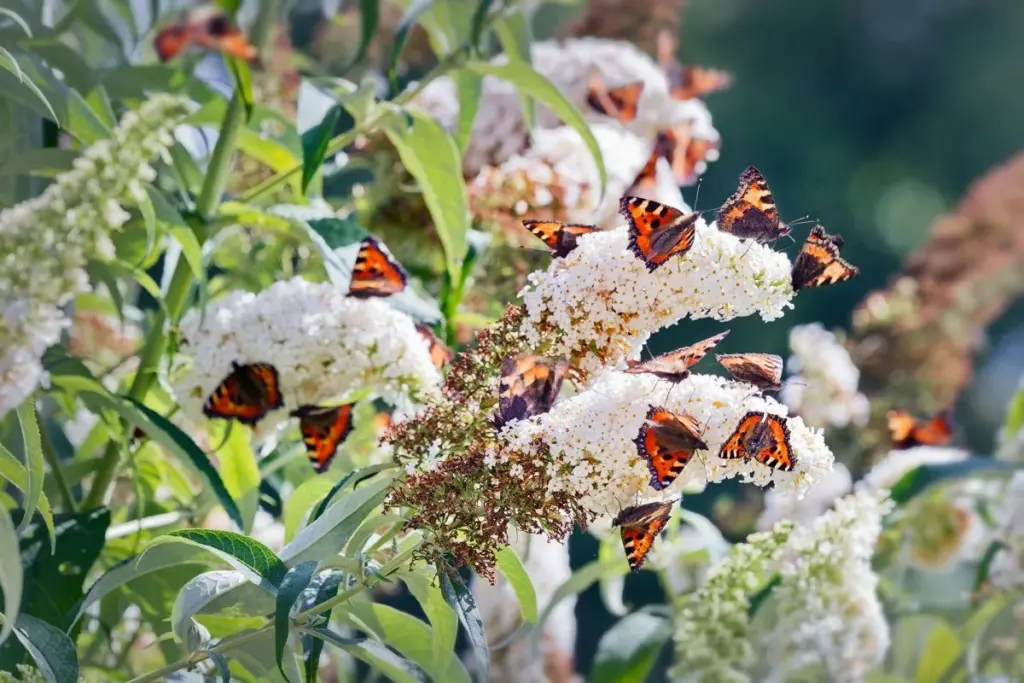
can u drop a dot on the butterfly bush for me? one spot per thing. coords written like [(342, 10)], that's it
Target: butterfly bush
[(602, 304), (823, 386), (500, 132), (45, 241), (1007, 570), (325, 345), (589, 439), (780, 505)]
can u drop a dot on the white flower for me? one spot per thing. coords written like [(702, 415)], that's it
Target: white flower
[(605, 304), (593, 456), (45, 241), (1007, 570), (897, 463), (827, 612), (779, 505), (325, 345), (823, 386)]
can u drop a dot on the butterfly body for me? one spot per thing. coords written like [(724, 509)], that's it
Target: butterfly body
[(205, 27), (906, 431), (561, 238), (323, 429), (528, 386), (750, 212), (440, 354), (657, 231), (763, 370), (819, 262), (621, 103), (247, 394), (763, 437), (675, 365), (640, 525), (666, 442), (375, 273)]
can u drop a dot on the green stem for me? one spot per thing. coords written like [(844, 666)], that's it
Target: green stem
[(58, 474), (189, 662), (181, 281)]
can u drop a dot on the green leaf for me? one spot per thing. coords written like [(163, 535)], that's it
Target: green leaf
[(476, 26), (35, 464), (316, 139), (312, 647), (149, 220), (198, 594), (52, 650), (612, 586), (219, 661), (376, 655), (13, 471), (629, 650), (245, 554), (230, 7), (461, 599), (180, 230), (529, 82), (430, 155), (409, 19), (243, 83), (923, 477), (292, 585), (10, 573), (512, 569), (47, 162), (985, 564), (301, 501), (939, 653), (17, 19), (470, 88), (515, 37), (758, 599), (443, 620), (369, 15), (352, 477), (240, 473)]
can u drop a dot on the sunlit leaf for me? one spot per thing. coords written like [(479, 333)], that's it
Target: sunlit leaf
[(629, 650), (10, 573), (470, 88), (512, 569), (514, 34), (35, 463), (443, 620), (198, 594), (940, 652), (245, 554), (375, 654), (315, 141)]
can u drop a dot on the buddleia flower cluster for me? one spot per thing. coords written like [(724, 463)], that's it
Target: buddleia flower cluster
[(45, 241), (325, 345), (1007, 571), (823, 385)]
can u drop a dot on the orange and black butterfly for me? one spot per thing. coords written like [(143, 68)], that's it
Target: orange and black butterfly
[(763, 370), (667, 442), (205, 27), (687, 82), (674, 366), (440, 354), (619, 103), (375, 272), (247, 394), (323, 429), (750, 212), (561, 238), (907, 431), (656, 231), (641, 524), (763, 437), (529, 386), (819, 262), (685, 154)]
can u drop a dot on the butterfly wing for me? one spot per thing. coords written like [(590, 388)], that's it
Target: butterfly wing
[(440, 354), (699, 81), (640, 525), (247, 394), (528, 386), (763, 370), (777, 453), (218, 33), (375, 273), (619, 103), (657, 231), (171, 41), (819, 262), (675, 365), (666, 442), (750, 212), (906, 431), (323, 429), (561, 238), (735, 446)]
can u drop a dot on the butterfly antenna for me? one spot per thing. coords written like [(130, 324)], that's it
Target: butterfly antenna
[(696, 197)]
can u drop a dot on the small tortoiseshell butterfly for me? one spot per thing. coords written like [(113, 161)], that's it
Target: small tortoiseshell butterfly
[(529, 386), (619, 103), (641, 524), (375, 272), (763, 437), (667, 441), (819, 263), (687, 82), (440, 354), (247, 394), (907, 431), (763, 370), (750, 212), (561, 238), (674, 366), (656, 231), (684, 153), (323, 429), (205, 27)]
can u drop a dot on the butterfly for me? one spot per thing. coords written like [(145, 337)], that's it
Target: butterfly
[(641, 524), (375, 272), (656, 231), (666, 441), (819, 263), (686, 156), (763, 370), (907, 431), (440, 354), (247, 394), (205, 27), (619, 103), (687, 82), (674, 366), (763, 437), (529, 386), (561, 238), (750, 212), (323, 429)]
